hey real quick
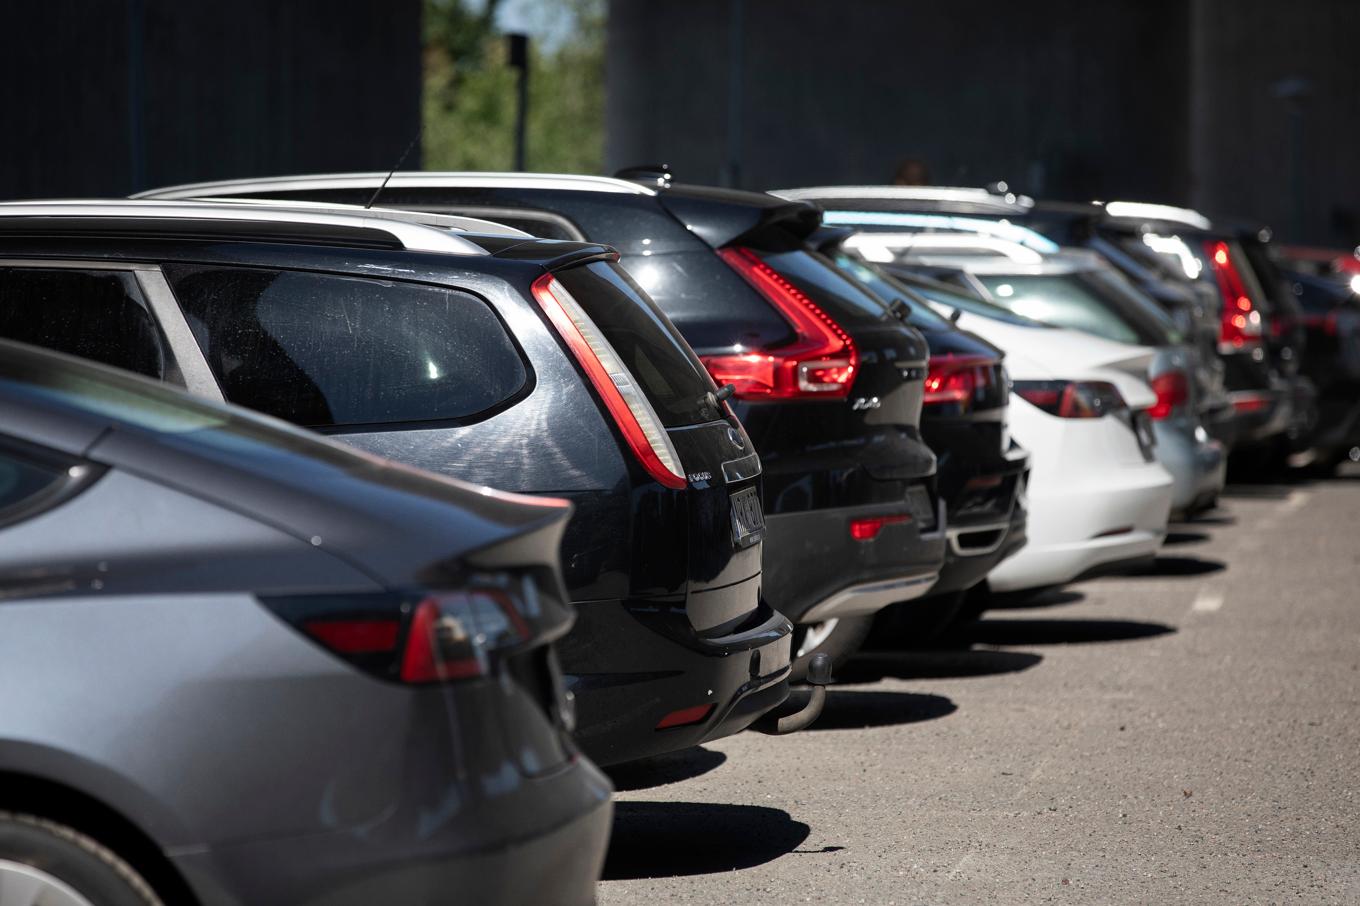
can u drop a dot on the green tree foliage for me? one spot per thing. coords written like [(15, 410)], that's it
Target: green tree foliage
[(469, 90)]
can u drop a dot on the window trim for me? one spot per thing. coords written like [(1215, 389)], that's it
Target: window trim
[(75, 475), (164, 310)]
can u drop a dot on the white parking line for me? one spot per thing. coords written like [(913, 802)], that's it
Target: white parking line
[(1207, 600)]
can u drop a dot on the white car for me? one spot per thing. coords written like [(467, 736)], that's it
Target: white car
[(1097, 497)]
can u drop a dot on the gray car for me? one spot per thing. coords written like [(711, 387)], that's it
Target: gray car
[(241, 664)]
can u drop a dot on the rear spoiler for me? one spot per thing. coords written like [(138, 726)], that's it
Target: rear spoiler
[(723, 217)]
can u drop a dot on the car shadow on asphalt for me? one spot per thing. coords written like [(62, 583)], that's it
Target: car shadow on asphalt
[(661, 770), (677, 839), (855, 709), (1174, 567), (941, 663), (1175, 538), (1062, 632)]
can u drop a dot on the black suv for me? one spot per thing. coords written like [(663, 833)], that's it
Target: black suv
[(532, 366), (826, 378)]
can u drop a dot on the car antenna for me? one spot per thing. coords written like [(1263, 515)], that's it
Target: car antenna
[(390, 173)]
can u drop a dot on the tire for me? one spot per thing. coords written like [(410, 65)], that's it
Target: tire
[(839, 638), (71, 868)]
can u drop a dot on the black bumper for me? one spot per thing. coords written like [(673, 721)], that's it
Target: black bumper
[(632, 663)]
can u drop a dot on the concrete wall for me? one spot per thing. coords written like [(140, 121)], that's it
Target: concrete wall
[(104, 98), (1063, 98)]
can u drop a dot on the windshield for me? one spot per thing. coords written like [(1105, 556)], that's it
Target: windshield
[(959, 300), (1097, 302)]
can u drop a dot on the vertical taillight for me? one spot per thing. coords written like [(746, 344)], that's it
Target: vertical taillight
[(956, 381), (1173, 391), (632, 413), (1241, 322), (821, 361)]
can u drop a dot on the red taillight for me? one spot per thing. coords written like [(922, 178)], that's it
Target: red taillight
[(1245, 402), (1172, 389), (958, 379), (685, 717), (632, 413), (1240, 322), (821, 361), (1072, 399), (868, 529), (411, 638), (358, 636)]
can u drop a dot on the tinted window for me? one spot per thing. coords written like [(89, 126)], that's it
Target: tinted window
[(322, 350), (660, 360), (94, 314), (888, 288), (825, 285), (1080, 301)]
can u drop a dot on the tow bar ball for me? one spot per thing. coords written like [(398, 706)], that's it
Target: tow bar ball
[(780, 721)]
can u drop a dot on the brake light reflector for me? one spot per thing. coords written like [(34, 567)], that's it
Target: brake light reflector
[(958, 379), (868, 529), (684, 717), (1172, 390), (358, 636), (632, 413), (820, 362), (1240, 323), (1072, 399)]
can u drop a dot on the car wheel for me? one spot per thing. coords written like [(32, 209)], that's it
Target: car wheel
[(839, 638), (43, 863)]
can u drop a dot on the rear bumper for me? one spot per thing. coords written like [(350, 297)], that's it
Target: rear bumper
[(967, 565), (631, 663), (1077, 527), (554, 855), (815, 570)]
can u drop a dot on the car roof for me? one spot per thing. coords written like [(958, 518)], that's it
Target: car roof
[(456, 222), (974, 253), (232, 219), (411, 179), (1163, 213), (953, 199)]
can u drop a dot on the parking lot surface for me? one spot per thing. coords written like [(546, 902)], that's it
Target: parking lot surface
[(1188, 735)]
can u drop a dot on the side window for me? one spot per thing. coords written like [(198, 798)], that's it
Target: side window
[(32, 480), (330, 351), (94, 314)]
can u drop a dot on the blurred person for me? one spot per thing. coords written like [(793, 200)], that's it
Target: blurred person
[(912, 171)]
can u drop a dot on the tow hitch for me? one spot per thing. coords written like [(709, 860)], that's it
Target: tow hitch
[(782, 720)]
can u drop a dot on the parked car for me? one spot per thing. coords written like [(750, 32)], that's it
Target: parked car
[(243, 664), (827, 380), (1097, 500), (1003, 221), (1259, 340), (539, 367), (1077, 289), (982, 471)]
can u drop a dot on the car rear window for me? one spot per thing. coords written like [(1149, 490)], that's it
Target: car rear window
[(327, 351), (1083, 301), (886, 287), (663, 364), (825, 285), (93, 314)]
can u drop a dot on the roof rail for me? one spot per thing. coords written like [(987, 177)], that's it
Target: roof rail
[(1137, 210), (943, 195), (410, 179), (425, 218), (226, 217)]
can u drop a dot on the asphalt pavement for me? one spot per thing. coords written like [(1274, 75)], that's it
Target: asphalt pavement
[(1188, 735)]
